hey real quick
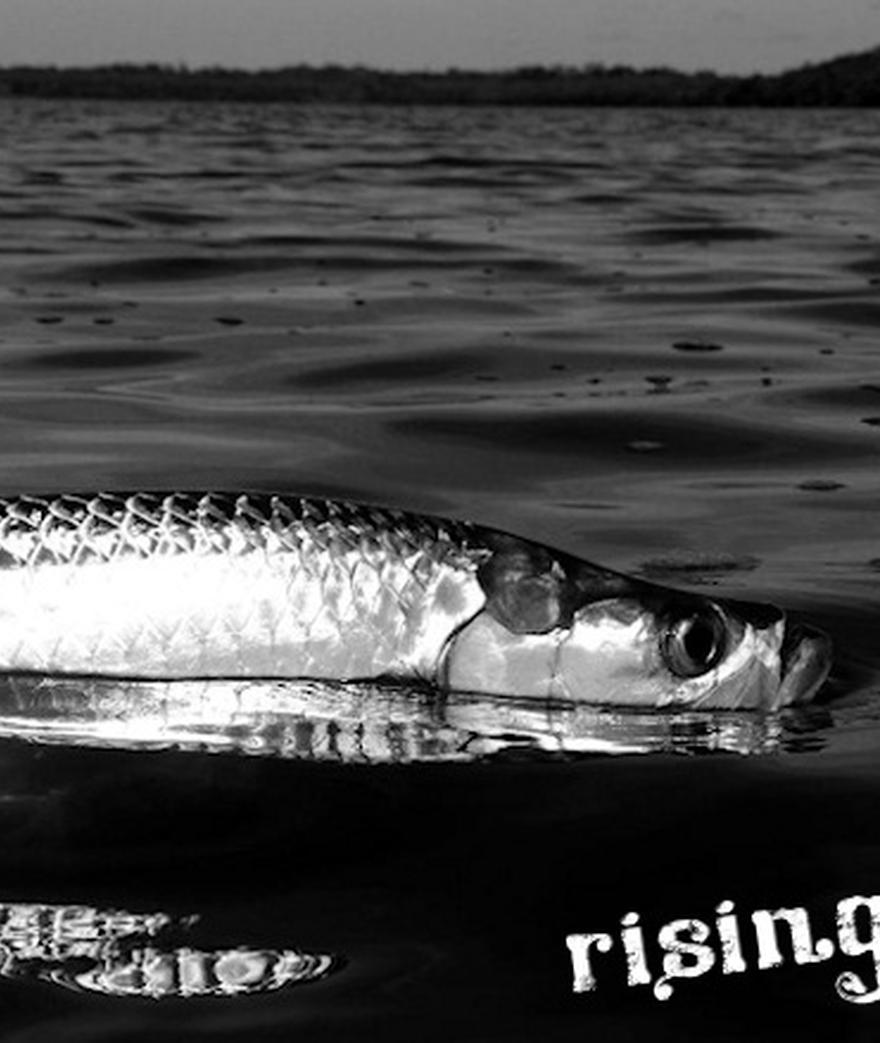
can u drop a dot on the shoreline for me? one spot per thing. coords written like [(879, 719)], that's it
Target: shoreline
[(851, 81)]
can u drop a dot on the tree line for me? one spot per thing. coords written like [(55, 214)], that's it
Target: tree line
[(852, 80)]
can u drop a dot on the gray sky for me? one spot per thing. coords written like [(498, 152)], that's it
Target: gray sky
[(727, 35)]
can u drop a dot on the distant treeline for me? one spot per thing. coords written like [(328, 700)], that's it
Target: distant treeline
[(852, 80)]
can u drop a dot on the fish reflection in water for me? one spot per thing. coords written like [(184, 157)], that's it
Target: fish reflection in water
[(122, 954), (359, 723)]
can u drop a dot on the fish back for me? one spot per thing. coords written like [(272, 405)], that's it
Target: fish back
[(214, 584)]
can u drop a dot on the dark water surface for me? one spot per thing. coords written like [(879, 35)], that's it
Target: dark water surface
[(650, 338)]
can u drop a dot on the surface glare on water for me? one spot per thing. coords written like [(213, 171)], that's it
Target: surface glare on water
[(647, 337)]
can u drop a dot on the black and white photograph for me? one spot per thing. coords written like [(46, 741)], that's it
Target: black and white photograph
[(439, 543)]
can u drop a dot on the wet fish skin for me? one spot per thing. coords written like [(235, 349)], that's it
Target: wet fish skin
[(228, 585), (218, 585)]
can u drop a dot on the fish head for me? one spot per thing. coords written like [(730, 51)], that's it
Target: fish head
[(561, 628), (668, 649)]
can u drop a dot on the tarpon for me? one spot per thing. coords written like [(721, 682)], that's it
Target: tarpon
[(179, 586)]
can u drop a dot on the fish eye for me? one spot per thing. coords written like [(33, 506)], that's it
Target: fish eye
[(694, 643)]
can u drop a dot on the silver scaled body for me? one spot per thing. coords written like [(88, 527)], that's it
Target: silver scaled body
[(213, 585)]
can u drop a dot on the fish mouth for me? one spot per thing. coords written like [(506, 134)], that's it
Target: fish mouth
[(806, 661)]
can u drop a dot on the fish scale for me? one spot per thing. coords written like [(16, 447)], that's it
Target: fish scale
[(215, 584)]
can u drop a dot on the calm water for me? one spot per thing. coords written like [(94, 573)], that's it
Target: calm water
[(647, 337)]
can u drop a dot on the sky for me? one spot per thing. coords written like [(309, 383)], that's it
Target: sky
[(738, 36)]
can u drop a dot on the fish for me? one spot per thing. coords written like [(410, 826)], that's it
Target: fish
[(261, 587)]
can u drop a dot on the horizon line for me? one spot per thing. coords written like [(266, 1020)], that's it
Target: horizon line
[(185, 67)]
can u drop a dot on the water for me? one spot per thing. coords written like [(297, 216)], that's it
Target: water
[(646, 337)]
